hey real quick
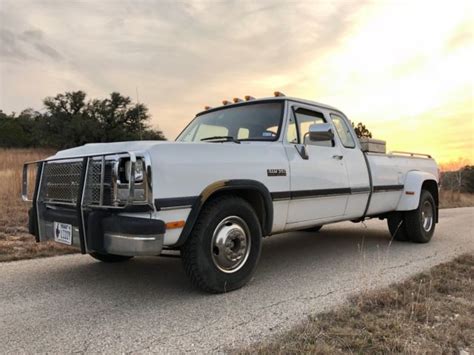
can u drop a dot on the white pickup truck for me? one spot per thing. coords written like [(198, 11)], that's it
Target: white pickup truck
[(237, 173)]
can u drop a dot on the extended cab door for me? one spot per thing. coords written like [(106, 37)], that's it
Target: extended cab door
[(318, 179), (356, 166)]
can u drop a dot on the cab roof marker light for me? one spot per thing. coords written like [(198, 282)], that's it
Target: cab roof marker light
[(236, 99), (226, 102), (207, 108), (279, 94), (249, 98)]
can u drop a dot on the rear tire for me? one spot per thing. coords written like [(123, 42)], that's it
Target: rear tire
[(420, 223), (110, 258), (223, 249), (397, 227)]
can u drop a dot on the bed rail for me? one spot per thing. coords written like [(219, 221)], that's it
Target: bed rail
[(415, 155)]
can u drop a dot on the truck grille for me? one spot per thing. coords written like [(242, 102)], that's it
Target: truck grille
[(60, 182)]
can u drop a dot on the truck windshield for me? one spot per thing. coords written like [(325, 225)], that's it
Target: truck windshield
[(252, 121)]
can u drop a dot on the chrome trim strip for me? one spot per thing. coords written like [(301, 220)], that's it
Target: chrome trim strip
[(129, 237), (38, 220), (131, 180), (24, 184), (175, 208), (84, 231), (102, 176), (115, 200)]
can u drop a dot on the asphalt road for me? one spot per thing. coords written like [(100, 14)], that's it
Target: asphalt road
[(76, 304)]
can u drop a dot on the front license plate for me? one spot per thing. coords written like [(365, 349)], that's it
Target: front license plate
[(63, 233)]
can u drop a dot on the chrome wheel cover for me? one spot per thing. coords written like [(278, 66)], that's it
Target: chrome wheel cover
[(230, 245), (427, 216)]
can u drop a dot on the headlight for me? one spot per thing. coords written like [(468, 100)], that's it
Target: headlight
[(139, 170)]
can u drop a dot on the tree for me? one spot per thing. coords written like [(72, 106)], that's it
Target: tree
[(67, 121), (468, 185), (120, 119), (461, 180), (19, 131), (361, 130), (70, 120)]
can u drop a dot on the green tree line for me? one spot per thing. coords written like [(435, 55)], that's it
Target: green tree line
[(69, 120)]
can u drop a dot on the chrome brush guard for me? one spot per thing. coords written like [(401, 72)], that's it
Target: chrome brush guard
[(83, 184)]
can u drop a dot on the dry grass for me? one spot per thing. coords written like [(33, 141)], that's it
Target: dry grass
[(432, 313), (451, 199), (15, 241)]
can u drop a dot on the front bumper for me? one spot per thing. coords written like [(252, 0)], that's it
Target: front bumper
[(106, 232), (87, 193)]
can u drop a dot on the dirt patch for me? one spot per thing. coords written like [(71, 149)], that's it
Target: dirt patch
[(431, 313)]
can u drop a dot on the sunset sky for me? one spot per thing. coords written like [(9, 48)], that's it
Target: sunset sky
[(401, 67)]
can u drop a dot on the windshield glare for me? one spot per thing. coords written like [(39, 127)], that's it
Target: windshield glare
[(253, 121)]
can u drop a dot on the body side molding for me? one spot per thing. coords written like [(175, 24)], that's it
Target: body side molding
[(386, 188)]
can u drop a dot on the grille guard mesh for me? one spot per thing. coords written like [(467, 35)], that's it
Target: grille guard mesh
[(60, 181)]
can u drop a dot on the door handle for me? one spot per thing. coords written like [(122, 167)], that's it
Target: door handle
[(338, 157)]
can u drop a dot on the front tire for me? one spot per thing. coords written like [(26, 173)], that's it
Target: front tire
[(222, 251), (110, 258), (420, 223)]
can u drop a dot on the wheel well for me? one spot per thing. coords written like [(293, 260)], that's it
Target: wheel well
[(254, 192), (253, 197), (432, 187)]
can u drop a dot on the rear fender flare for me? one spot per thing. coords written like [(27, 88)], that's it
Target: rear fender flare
[(412, 189)]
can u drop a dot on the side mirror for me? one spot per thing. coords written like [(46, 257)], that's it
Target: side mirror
[(320, 132)]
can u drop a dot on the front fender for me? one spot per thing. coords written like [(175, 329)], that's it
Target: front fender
[(228, 185), (412, 189)]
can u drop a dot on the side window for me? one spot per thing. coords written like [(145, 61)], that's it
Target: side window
[(305, 118), (292, 134), (243, 133), (343, 131)]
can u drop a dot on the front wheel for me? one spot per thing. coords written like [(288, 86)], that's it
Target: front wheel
[(223, 249)]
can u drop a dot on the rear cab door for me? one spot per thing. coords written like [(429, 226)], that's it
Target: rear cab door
[(318, 181)]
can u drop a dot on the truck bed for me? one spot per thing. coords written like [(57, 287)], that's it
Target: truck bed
[(389, 174)]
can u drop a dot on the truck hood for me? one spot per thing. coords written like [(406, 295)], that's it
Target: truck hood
[(103, 148)]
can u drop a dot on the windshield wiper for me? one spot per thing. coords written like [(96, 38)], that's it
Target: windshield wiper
[(221, 138)]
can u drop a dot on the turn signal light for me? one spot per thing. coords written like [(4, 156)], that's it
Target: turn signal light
[(175, 224), (278, 94)]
